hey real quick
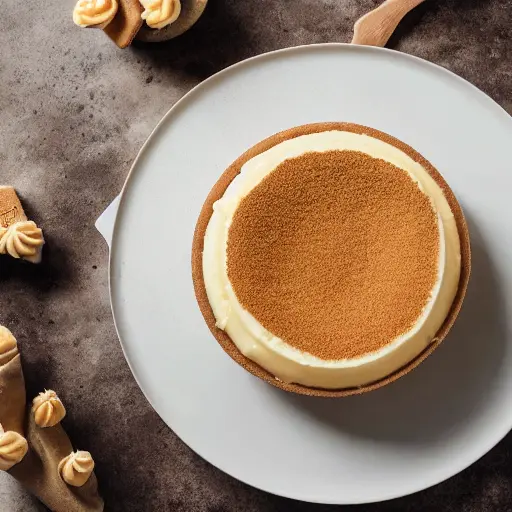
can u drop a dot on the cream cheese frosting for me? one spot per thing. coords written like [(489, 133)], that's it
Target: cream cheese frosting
[(94, 13), (160, 13), (48, 409), (22, 239), (274, 354), (13, 447), (8, 346), (76, 468)]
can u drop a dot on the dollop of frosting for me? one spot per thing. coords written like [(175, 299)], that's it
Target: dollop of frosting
[(76, 468), (94, 13), (22, 240), (160, 13), (13, 447), (8, 345), (48, 409)]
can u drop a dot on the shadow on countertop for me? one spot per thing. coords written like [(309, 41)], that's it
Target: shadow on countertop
[(206, 48)]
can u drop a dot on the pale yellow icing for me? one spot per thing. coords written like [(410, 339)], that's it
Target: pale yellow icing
[(48, 409), (76, 468), (8, 345), (160, 13), (94, 13), (22, 240), (13, 447), (274, 354)]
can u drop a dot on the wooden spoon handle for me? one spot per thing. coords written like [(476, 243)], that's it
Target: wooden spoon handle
[(376, 27)]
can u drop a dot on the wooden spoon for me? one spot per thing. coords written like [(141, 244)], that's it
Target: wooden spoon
[(376, 27)]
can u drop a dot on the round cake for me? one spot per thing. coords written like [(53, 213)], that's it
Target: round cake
[(330, 259)]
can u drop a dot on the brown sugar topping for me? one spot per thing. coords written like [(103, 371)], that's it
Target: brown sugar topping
[(336, 253)]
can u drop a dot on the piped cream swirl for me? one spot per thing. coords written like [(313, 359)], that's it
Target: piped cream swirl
[(94, 13), (76, 468), (13, 447), (48, 409), (8, 346), (160, 13), (22, 240)]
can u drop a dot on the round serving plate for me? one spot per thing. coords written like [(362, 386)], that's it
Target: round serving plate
[(394, 441)]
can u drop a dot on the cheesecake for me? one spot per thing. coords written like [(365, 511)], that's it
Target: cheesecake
[(330, 257)]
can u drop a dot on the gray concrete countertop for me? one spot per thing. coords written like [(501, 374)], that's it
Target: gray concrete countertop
[(74, 112)]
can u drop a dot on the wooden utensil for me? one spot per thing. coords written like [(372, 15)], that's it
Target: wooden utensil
[(376, 27)]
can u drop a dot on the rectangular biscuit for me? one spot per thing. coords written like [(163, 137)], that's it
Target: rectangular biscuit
[(126, 23), (11, 210)]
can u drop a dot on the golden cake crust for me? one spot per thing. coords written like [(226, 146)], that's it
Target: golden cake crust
[(218, 191)]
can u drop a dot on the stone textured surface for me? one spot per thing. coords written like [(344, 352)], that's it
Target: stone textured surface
[(75, 111)]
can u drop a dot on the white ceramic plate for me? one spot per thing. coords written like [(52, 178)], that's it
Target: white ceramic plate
[(405, 437)]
